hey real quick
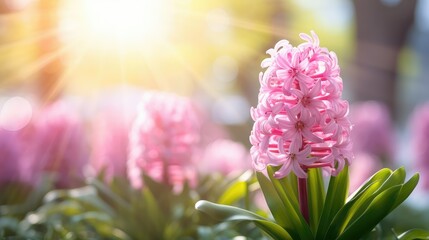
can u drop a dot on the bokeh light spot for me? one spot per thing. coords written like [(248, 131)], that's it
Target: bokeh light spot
[(15, 114)]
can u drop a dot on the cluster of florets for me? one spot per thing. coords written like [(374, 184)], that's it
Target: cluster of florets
[(300, 120), (163, 140)]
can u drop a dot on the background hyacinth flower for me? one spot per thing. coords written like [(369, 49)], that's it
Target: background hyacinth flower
[(301, 128), (419, 124), (300, 120), (57, 145), (163, 140), (111, 127), (110, 145), (226, 157), (10, 156), (373, 131), (364, 166)]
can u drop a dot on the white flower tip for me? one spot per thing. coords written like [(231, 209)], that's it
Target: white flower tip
[(198, 205), (280, 44)]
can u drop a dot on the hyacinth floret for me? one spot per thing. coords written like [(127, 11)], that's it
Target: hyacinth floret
[(301, 120)]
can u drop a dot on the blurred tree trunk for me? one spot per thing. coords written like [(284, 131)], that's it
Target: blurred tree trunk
[(11, 6), (48, 84), (381, 32)]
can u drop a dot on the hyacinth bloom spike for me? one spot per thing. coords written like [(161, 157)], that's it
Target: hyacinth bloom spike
[(163, 140), (301, 121), (10, 156), (57, 145), (420, 135)]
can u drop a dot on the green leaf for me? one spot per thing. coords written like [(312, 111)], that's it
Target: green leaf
[(396, 178), (290, 185), (229, 213), (407, 189), (117, 200), (356, 207), (348, 211), (9, 223), (376, 211), (335, 199), (380, 176), (234, 193), (86, 195), (277, 208), (316, 196), (153, 210), (292, 207), (414, 234)]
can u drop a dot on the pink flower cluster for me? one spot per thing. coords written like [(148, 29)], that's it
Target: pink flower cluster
[(420, 137), (57, 145), (115, 112), (163, 140), (373, 131), (226, 157), (9, 156), (301, 121), (52, 142)]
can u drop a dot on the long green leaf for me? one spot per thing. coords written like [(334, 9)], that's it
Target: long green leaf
[(316, 196), (152, 209), (296, 217), (396, 178), (348, 211), (380, 176), (229, 213), (290, 186), (376, 211), (233, 193), (406, 189), (335, 199), (414, 234), (273, 200), (277, 208)]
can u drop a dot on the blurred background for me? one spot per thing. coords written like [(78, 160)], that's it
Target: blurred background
[(92, 52)]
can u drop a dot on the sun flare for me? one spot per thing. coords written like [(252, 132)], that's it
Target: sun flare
[(126, 21)]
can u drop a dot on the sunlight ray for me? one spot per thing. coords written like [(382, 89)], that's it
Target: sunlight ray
[(68, 70), (196, 77), (37, 65), (28, 40), (243, 24)]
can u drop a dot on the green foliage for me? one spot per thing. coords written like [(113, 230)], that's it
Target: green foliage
[(332, 216), (115, 210), (414, 234)]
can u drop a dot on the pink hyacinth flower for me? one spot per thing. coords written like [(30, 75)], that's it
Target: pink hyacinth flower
[(364, 166), (301, 121), (373, 129), (420, 138), (226, 157), (163, 140), (110, 145), (111, 129), (57, 145), (10, 155)]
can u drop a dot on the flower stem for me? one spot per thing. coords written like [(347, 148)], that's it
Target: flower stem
[(303, 198)]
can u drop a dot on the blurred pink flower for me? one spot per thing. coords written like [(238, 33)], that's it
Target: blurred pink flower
[(110, 144), (420, 141), (373, 129), (300, 120), (163, 140), (111, 127), (10, 155), (225, 156), (57, 145), (363, 167)]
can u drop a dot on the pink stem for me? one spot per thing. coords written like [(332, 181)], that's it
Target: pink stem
[(303, 198)]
